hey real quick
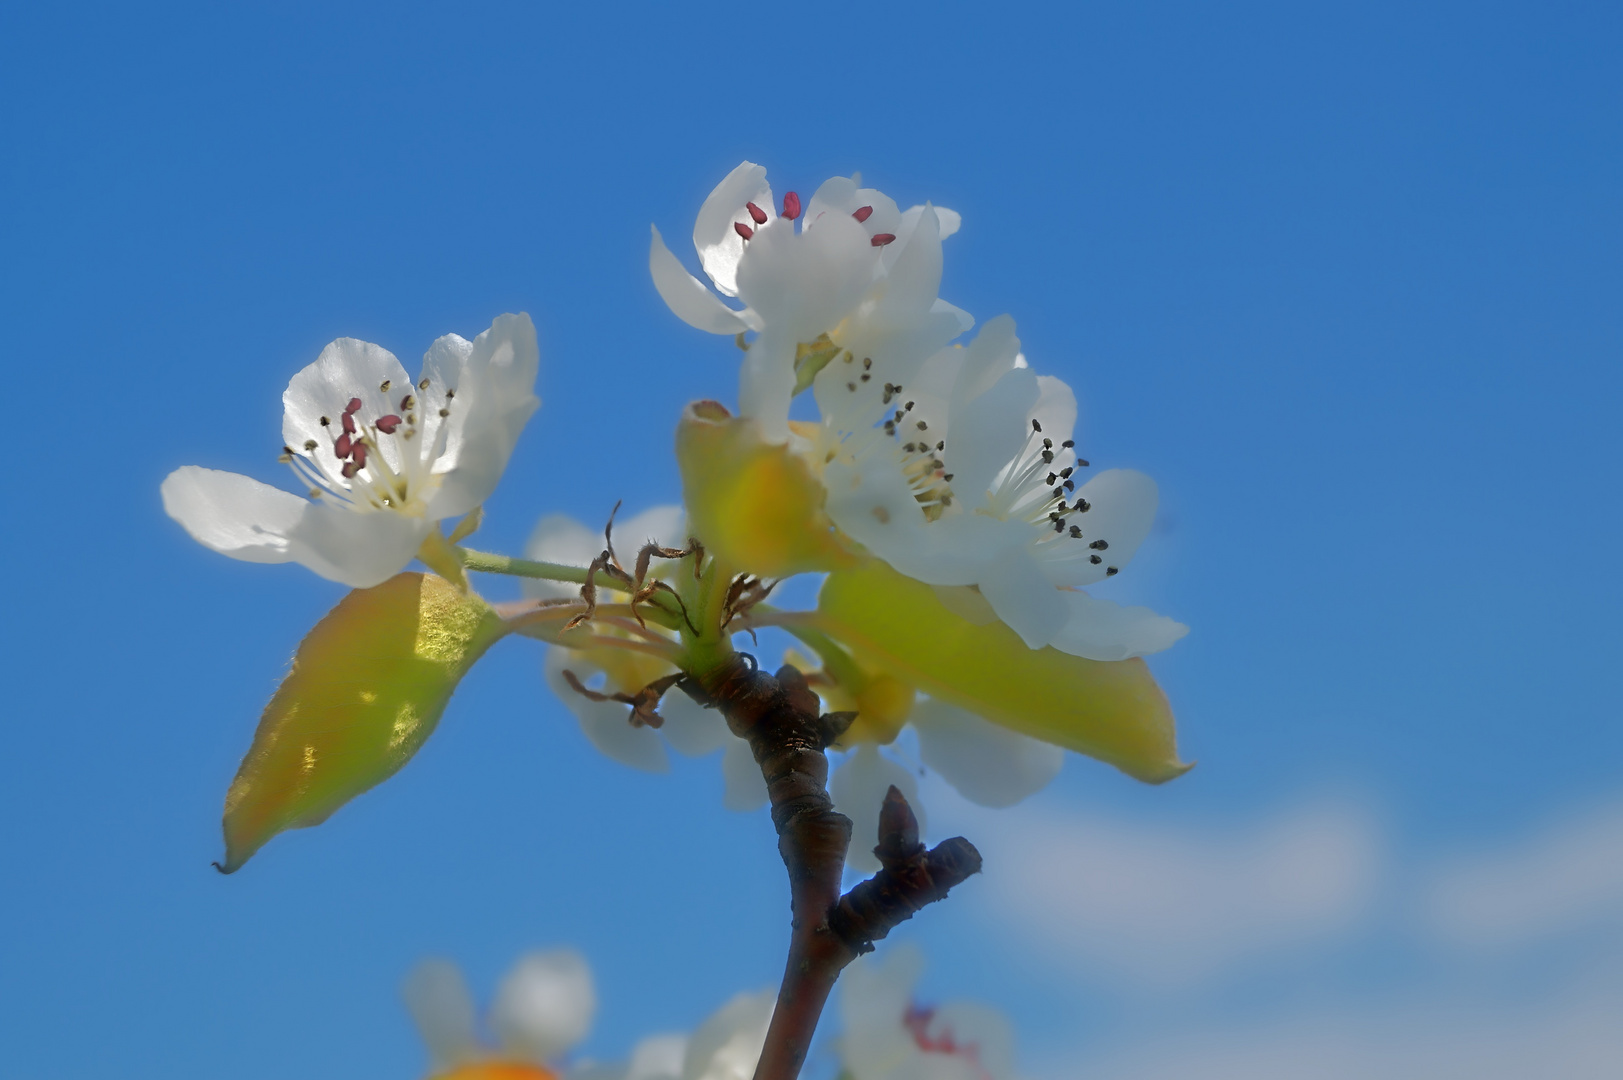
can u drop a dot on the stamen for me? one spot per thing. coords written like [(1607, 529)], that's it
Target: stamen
[(450, 393), (387, 424), (1035, 426), (354, 406), (1083, 506), (863, 213), (1095, 560), (342, 446), (423, 383), (1099, 545), (791, 205), (408, 403), (757, 213), (881, 239), (310, 444), (359, 455), (349, 423), (743, 230), (1068, 443), (383, 387), (325, 422), (1111, 571)]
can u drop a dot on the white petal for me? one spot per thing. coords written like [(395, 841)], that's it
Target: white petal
[(437, 998), (1122, 509), (964, 319), (858, 788), (728, 1045), (606, 723), (989, 765), (803, 284), (1025, 600), (690, 728), (1055, 409), (346, 369), (1101, 630), (971, 1025), (840, 197), (545, 1005), (990, 407), (897, 324), (359, 549), (745, 789), (875, 994), (718, 243), (658, 1057), (233, 514), (494, 400), (686, 295)]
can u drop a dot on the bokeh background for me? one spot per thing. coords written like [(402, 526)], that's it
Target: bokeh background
[(1346, 278)]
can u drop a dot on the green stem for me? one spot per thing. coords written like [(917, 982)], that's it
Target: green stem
[(488, 563)]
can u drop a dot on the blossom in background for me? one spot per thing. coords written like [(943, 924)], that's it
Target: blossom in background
[(380, 458), (688, 728), (858, 276), (889, 1036), (970, 483), (544, 1008)]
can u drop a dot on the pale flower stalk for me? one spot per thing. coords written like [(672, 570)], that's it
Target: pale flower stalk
[(380, 458), (858, 275)]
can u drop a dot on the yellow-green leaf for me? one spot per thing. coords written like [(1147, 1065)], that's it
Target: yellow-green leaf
[(1112, 711), (754, 504), (367, 686)]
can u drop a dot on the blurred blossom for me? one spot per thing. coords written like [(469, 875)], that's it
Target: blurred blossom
[(543, 1008), (380, 460), (888, 1035)]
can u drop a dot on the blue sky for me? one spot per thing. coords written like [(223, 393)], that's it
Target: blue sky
[(1345, 280)]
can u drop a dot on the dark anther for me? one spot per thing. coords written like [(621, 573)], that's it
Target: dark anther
[(1070, 485), (922, 425), (325, 422), (1111, 571), (1076, 531), (1095, 560), (947, 477), (1083, 506), (1048, 457), (1081, 464), (310, 444), (1059, 526), (1048, 444), (1099, 545), (383, 387), (1068, 443), (1036, 426)]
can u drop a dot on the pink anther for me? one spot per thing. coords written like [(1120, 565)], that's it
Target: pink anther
[(863, 214), (349, 423), (743, 230), (880, 239), (353, 406), (350, 469), (343, 446), (756, 212), (791, 206), (358, 455), (387, 424)]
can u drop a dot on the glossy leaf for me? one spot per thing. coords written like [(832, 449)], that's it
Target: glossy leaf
[(367, 687), (1112, 711), (753, 503)]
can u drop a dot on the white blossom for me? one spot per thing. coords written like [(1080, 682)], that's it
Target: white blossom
[(857, 270), (543, 1009), (971, 482), (379, 458), (889, 1036)]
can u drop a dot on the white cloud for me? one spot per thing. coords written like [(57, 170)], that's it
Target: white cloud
[(1572, 1036), (1167, 906), (1567, 879)]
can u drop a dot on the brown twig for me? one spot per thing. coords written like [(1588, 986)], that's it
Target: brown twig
[(779, 716)]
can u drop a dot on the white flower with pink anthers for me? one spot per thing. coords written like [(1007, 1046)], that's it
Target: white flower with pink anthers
[(381, 458), (858, 277)]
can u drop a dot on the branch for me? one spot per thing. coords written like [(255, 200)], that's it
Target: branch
[(779, 716)]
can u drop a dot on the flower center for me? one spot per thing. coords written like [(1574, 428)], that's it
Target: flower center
[(1035, 487), (382, 463)]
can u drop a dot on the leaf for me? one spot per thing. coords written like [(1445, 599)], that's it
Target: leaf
[(754, 504), (1112, 710), (367, 687)]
